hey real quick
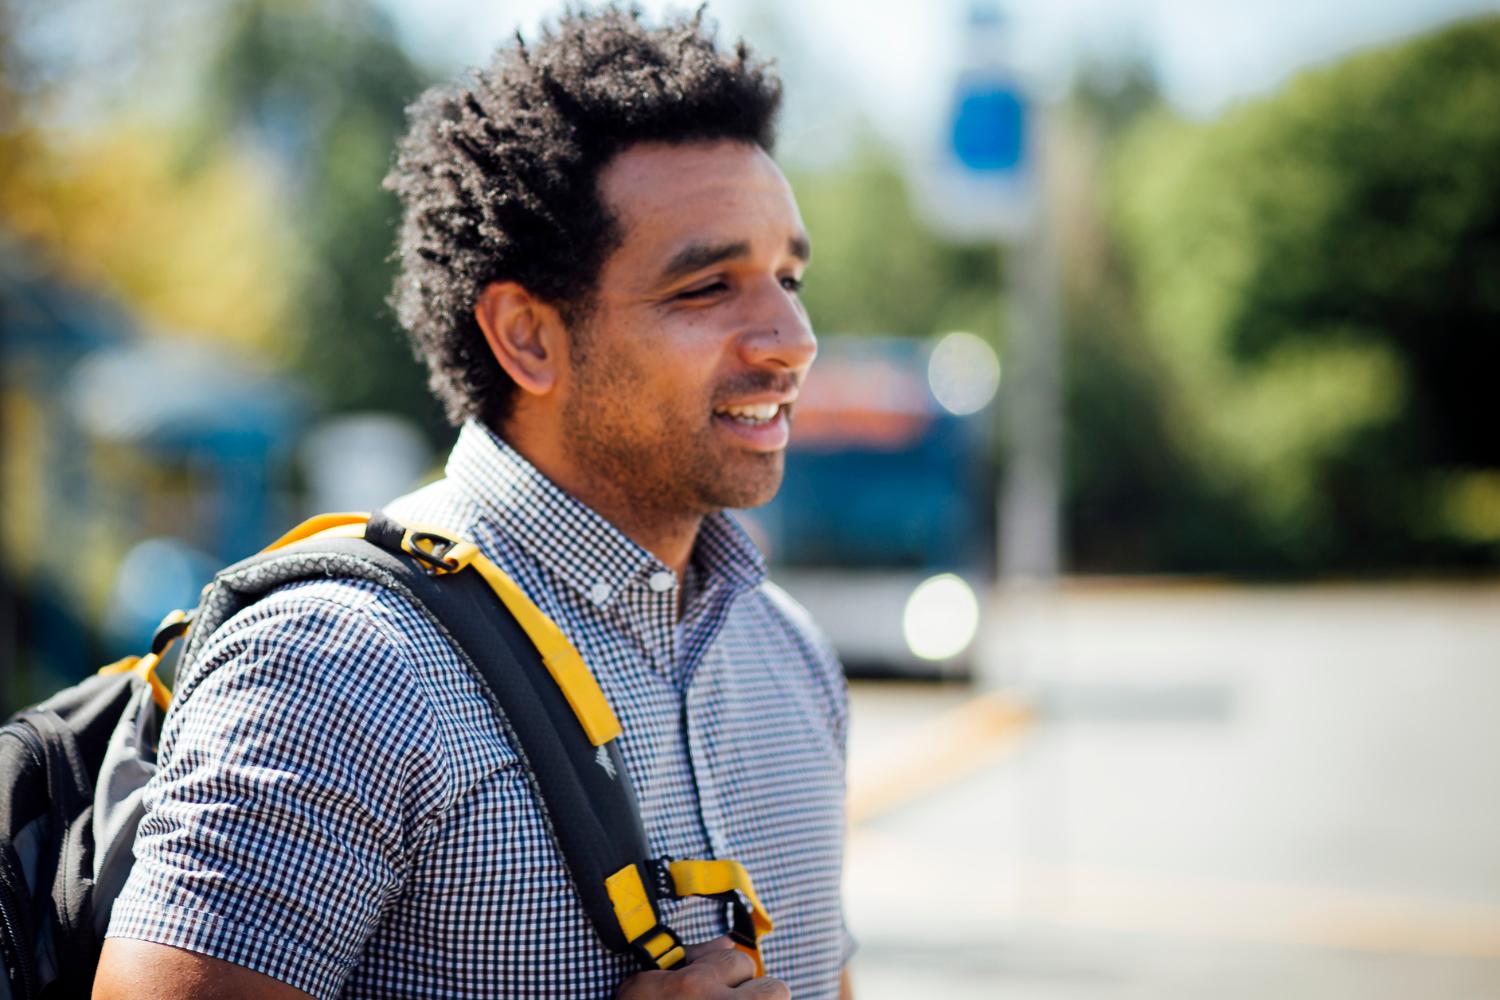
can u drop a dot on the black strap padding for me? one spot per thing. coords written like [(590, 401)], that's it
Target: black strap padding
[(590, 809)]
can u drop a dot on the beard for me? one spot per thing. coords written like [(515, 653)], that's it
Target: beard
[(662, 456)]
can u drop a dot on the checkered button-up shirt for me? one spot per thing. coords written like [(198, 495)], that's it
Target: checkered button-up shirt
[(338, 808)]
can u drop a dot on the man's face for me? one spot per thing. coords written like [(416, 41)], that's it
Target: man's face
[(682, 379)]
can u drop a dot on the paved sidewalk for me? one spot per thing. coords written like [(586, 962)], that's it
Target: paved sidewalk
[(1225, 793)]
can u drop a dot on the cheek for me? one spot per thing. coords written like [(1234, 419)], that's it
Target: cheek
[(685, 367), (662, 371)]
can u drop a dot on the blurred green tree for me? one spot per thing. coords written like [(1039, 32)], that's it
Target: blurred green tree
[(202, 251), (878, 268), (1318, 276), (319, 89)]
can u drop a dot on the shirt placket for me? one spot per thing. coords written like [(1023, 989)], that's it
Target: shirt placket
[(647, 607), (700, 719)]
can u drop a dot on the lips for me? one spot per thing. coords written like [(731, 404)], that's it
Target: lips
[(749, 413), (761, 426)]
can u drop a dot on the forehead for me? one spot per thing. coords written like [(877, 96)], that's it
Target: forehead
[(665, 196)]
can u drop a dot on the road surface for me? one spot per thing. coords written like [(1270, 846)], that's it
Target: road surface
[(1189, 792)]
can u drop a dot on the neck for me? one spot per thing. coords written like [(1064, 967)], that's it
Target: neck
[(668, 538), (667, 535)]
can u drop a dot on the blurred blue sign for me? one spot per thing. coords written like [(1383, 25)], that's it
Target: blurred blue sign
[(980, 185), (989, 126)]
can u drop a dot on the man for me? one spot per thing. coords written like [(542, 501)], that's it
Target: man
[(600, 266)]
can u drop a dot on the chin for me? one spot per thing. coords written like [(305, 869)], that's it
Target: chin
[(746, 488)]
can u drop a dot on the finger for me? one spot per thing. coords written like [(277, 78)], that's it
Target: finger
[(726, 967), (652, 983), (705, 948), (764, 988)]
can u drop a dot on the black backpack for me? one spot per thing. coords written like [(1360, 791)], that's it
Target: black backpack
[(73, 768)]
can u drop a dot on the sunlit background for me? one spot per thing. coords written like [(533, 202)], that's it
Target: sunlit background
[(1148, 480)]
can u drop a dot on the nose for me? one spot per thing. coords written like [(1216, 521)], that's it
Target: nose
[(780, 337)]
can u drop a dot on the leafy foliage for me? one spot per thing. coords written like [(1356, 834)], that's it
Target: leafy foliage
[(1319, 279), (200, 251), (877, 268), (319, 89)]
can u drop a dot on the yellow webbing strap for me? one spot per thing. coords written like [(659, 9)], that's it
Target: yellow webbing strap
[(637, 917), (563, 662), (347, 525), (718, 878), (143, 667)]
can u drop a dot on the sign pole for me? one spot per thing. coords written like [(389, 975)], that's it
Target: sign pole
[(1029, 521)]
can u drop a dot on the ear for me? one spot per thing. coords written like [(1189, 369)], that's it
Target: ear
[(525, 334)]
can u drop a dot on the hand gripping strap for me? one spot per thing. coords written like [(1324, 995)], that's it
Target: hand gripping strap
[(727, 880)]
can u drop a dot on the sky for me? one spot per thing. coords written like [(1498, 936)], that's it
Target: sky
[(896, 60)]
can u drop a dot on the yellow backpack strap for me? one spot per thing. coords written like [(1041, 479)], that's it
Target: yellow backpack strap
[(727, 879), (560, 657), (656, 945), (441, 552), (345, 525), (172, 628)]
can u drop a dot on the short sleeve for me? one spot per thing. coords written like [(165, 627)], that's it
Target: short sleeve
[(295, 781)]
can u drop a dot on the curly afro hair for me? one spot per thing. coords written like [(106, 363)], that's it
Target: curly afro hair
[(497, 174)]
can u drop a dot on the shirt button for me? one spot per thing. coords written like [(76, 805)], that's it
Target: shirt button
[(599, 593), (662, 581)]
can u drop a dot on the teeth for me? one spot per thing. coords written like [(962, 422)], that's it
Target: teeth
[(758, 414)]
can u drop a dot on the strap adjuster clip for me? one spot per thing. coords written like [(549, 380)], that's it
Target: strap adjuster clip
[(660, 870), (438, 554), (658, 948), (170, 630)]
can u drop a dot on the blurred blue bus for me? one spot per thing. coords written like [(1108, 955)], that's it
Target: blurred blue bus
[(884, 524)]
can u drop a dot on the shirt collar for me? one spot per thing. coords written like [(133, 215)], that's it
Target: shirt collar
[(571, 539)]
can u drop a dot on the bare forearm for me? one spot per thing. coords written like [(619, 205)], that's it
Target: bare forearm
[(131, 968)]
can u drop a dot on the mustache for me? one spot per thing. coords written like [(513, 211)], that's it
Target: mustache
[(756, 383)]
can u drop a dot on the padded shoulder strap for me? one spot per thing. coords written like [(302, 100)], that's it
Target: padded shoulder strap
[(556, 719)]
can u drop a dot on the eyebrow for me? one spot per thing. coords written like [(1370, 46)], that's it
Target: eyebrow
[(696, 256)]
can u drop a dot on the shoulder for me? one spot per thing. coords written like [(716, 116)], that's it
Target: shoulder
[(794, 618), (341, 629), (353, 650), (788, 634), (329, 658)]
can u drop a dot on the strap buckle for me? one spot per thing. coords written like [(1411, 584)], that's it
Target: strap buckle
[(658, 948), (170, 630), (660, 870), (439, 554), (727, 880)]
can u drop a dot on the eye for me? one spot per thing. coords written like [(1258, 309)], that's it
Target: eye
[(703, 291), (791, 284)]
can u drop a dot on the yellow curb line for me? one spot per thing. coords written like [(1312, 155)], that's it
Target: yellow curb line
[(937, 754)]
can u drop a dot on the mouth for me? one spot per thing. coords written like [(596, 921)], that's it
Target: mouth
[(760, 427), (751, 415)]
